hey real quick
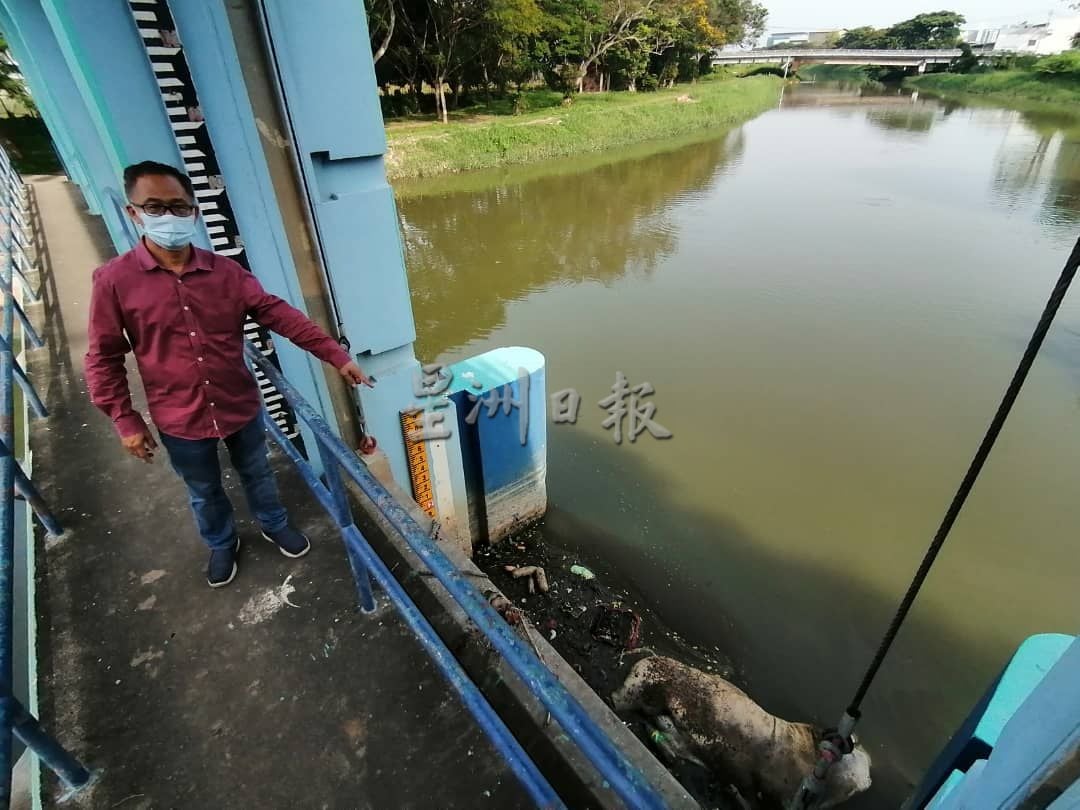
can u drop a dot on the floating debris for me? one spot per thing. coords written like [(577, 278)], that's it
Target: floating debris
[(582, 571), (618, 626), (537, 578)]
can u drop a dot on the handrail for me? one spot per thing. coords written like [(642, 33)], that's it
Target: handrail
[(14, 718), (609, 761)]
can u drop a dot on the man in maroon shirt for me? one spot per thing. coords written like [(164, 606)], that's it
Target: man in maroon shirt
[(181, 311)]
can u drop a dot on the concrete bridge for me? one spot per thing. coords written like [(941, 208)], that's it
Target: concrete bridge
[(794, 58)]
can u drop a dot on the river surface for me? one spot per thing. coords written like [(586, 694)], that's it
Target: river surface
[(828, 302)]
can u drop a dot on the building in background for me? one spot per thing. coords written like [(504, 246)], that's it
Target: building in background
[(1042, 39), (821, 38)]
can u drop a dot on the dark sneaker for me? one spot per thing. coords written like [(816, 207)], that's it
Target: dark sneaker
[(289, 541), (222, 568)]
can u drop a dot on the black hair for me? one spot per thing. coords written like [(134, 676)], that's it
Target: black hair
[(151, 167)]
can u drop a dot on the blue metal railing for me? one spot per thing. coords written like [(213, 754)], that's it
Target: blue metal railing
[(610, 762), (14, 718)]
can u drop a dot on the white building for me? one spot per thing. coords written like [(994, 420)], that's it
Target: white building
[(1041, 39), (821, 38)]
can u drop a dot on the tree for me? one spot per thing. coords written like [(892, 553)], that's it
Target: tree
[(939, 29), (738, 22), (967, 62), (864, 38), (12, 85), (503, 43), (436, 30), (381, 20), (610, 24)]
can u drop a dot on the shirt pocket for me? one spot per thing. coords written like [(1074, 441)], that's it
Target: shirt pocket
[(216, 312)]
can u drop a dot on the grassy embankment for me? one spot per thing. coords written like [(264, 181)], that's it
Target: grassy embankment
[(1007, 86), (593, 123)]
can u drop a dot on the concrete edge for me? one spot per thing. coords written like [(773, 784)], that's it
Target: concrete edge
[(558, 757)]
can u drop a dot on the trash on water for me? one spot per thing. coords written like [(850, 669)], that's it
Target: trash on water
[(618, 626), (536, 577), (582, 571), (574, 611)]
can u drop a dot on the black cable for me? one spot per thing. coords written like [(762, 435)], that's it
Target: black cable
[(972, 475)]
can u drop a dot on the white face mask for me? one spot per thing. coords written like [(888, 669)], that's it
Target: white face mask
[(168, 230)]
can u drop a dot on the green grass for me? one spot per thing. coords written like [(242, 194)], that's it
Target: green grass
[(593, 123), (1005, 85)]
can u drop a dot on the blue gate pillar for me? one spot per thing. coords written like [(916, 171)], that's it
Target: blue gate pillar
[(108, 63), (35, 45), (331, 102), (73, 162), (210, 56)]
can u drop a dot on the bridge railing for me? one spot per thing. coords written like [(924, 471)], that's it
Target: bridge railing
[(15, 264), (597, 747), (837, 53)]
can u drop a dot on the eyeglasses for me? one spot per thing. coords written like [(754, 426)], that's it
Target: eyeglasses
[(156, 209)]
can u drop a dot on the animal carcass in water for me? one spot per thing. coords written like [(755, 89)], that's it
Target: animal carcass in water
[(739, 741)]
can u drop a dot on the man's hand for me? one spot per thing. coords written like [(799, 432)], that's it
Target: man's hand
[(353, 375), (140, 445)]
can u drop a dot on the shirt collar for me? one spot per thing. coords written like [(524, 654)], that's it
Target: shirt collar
[(200, 259)]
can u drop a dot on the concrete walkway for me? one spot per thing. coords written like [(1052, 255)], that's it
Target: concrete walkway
[(271, 693)]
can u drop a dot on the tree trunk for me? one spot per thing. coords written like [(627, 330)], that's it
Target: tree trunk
[(375, 57), (440, 102)]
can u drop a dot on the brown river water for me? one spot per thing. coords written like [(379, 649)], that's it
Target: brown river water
[(828, 302)]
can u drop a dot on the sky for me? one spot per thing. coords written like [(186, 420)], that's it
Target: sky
[(801, 15)]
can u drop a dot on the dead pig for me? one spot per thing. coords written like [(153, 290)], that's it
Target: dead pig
[(760, 754)]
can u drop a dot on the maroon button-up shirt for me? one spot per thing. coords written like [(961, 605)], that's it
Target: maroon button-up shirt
[(186, 332)]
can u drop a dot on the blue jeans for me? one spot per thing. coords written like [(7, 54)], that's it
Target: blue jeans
[(196, 461)]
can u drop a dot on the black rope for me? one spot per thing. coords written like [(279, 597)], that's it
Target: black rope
[(977, 463)]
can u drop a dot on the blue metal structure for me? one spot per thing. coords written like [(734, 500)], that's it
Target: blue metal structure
[(597, 747), (980, 732), (1027, 738), (14, 718)]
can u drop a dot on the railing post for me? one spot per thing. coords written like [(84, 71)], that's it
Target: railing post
[(344, 519), (7, 506), (30, 733), (595, 744), (14, 719)]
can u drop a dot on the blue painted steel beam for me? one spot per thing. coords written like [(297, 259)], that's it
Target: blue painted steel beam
[(34, 37), (339, 138), (211, 55), (49, 108), (105, 54), (626, 780)]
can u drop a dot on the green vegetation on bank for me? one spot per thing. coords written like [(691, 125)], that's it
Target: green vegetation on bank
[(594, 122), (1005, 85), (1053, 80)]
